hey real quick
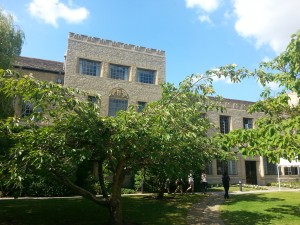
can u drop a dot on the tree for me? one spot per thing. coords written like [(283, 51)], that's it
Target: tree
[(277, 134), (64, 131), (11, 41)]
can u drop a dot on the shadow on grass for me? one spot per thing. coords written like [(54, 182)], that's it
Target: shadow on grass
[(286, 210), (136, 210), (249, 218), (253, 198)]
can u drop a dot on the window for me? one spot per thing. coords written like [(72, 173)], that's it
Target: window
[(291, 171), (93, 99), (208, 168), (247, 123), (27, 109), (141, 106), (116, 105), (88, 67), (229, 166), (118, 72), (146, 76), (269, 167), (224, 124)]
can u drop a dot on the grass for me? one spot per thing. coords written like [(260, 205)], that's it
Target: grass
[(76, 211), (276, 208)]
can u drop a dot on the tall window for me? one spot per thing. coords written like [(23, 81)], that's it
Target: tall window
[(146, 76), (224, 124), (269, 167), (141, 106), (229, 166), (89, 67), (247, 123), (208, 168), (116, 105)]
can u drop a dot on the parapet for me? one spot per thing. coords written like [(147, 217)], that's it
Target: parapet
[(103, 42)]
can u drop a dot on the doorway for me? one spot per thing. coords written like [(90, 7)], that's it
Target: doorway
[(251, 176)]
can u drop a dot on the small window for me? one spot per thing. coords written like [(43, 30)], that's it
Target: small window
[(93, 99), (89, 67), (247, 123), (119, 72), (27, 109), (141, 106), (146, 76), (224, 124), (116, 105), (291, 171)]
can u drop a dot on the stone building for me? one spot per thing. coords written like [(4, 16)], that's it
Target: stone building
[(41, 69), (125, 74), (250, 170)]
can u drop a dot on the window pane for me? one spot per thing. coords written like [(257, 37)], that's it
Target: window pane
[(88, 67), (27, 109), (115, 105), (146, 76), (141, 106), (232, 167), (269, 168), (247, 123), (224, 124), (119, 72), (93, 99)]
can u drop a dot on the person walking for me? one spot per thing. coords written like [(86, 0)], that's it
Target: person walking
[(179, 184), (225, 182), (191, 183), (204, 182)]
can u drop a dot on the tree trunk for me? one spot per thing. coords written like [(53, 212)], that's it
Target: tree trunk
[(160, 194), (101, 180), (116, 217)]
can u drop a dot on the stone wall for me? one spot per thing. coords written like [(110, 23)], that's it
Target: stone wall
[(108, 52)]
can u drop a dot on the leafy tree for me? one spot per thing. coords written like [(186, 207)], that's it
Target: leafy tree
[(277, 134), (64, 132), (11, 41)]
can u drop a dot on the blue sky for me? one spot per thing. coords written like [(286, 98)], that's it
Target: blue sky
[(196, 35)]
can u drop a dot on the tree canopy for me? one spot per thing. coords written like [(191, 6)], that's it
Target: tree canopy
[(277, 134), (65, 131), (12, 38)]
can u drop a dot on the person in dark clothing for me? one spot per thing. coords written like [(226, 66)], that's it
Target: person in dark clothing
[(225, 181)]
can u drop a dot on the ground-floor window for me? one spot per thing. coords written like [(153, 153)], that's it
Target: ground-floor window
[(229, 166), (269, 167), (291, 170)]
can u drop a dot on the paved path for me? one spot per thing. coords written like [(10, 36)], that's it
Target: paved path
[(206, 212)]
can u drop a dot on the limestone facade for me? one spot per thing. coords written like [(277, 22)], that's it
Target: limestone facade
[(107, 53)]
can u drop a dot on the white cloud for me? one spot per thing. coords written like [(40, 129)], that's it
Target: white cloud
[(222, 79), (49, 11), (266, 59), (205, 5), (267, 22)]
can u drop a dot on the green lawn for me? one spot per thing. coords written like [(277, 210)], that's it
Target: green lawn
[(275, 208), (76, 211)]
